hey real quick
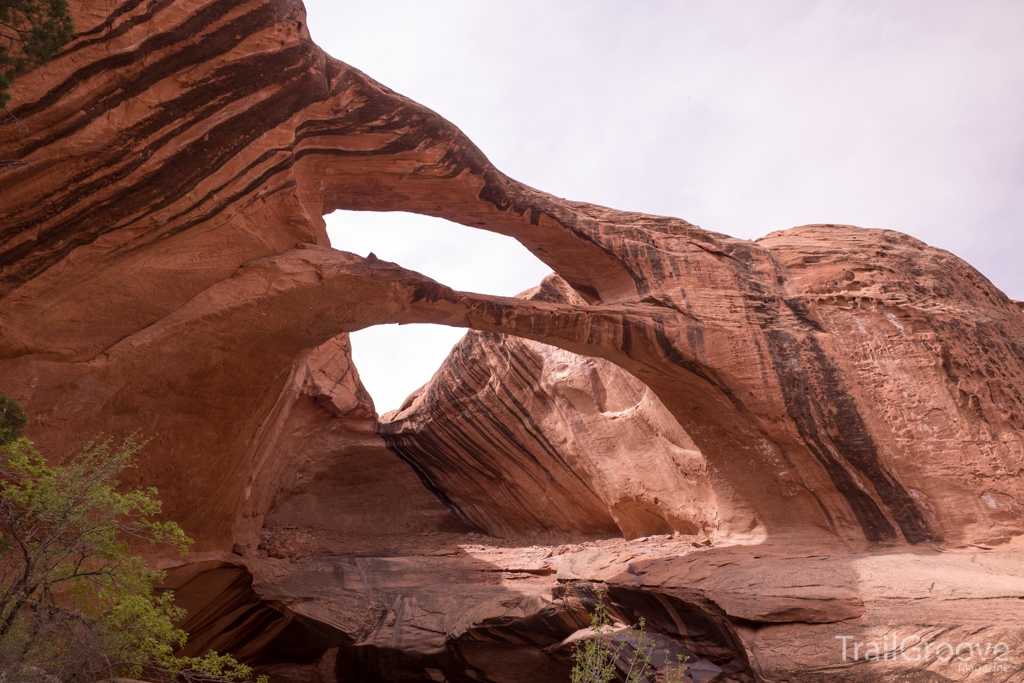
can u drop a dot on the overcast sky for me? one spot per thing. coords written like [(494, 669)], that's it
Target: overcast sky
[(743, 117)]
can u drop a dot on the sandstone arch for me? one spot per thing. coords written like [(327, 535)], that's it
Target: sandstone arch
[(178, 158), (164, 267)]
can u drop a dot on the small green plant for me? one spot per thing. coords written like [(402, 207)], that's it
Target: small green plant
[(639, 666), (597, 661), (12, 420), (676, 673), (76, 605), (594, 657)]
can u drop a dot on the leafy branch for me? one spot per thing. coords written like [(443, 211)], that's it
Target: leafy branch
[(76, 605)]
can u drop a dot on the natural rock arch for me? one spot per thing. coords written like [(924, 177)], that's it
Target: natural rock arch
[(171, 217), (164, 266)]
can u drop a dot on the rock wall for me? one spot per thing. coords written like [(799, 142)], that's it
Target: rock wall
[(164, 266), (526, 440)]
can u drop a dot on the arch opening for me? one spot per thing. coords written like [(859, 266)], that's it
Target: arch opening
[(395, 360)]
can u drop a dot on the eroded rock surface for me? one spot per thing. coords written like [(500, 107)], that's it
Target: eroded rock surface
[(522, 439), (472, 609), (838, 403)]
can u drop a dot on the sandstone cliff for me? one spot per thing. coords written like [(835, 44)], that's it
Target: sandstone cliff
[(826, 391)]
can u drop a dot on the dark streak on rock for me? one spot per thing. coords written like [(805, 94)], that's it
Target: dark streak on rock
[(171, 181), (827, 419), (693, 367), (798, 306), (411, 455), (222, 41), (122, 28)]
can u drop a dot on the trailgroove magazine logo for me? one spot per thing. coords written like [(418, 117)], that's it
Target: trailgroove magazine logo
[(915, 649)]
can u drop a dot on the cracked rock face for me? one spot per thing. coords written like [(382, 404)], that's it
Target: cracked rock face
[(824, 392)]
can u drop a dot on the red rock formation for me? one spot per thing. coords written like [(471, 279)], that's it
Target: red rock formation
[(523, 439), (164, 266), (236, 133)]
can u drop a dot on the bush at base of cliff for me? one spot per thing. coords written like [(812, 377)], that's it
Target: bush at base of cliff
[(596, 660), (75, 604)]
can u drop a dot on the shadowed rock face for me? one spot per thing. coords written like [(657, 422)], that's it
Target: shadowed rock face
[(164, 266)]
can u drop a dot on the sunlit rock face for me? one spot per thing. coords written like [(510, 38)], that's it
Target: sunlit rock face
[(526, 440), (824, 392)]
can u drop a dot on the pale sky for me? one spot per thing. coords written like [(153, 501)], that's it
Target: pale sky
[(742, 116), (393, 360)]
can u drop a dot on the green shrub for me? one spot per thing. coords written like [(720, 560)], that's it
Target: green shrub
[(12, 420), (75, 604), (596, 660)]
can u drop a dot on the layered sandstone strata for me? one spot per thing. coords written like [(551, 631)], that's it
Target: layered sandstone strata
[(164, 266)]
